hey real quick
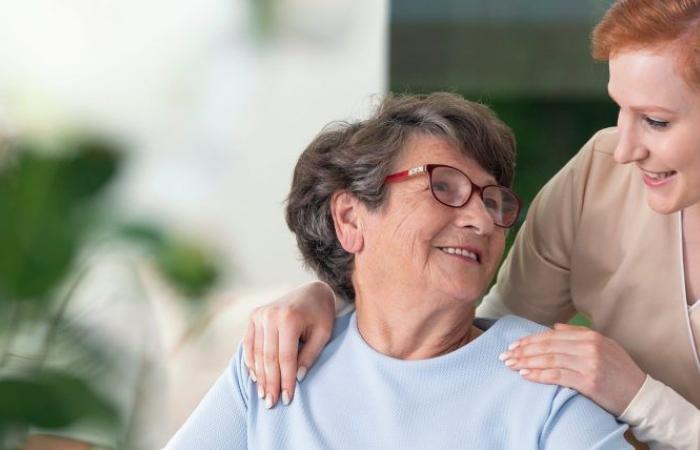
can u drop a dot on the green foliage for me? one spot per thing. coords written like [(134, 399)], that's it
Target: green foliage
[(184, 263), (43, 200), (52, 400), (49, 196), (262, 17)]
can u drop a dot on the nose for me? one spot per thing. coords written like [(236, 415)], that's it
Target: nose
[(629, 147), (475, 216)]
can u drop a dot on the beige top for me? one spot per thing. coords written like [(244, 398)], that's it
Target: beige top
[(591, 244)]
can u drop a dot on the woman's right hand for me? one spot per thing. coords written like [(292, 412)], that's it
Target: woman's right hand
[(271, 343)]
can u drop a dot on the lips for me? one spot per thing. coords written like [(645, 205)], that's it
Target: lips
[(655, 179)]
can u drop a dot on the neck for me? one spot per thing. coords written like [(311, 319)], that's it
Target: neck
[(691, 224), (406, 326)]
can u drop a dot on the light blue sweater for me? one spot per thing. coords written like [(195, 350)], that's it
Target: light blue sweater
[(356, 398)]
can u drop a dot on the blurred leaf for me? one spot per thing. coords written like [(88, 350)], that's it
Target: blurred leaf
[(187, 266), (580, 320), (43, 199), (91, 168), (263, 17), (51, 400), (143, 234)]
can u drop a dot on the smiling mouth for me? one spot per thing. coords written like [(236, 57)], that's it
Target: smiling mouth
[(461, 252), (659, 176), (654, 179)]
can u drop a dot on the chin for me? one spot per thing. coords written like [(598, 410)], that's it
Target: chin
[(663, 205), (468, 296)]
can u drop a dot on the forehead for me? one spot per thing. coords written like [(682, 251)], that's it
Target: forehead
[(649, 78), (422, 149)]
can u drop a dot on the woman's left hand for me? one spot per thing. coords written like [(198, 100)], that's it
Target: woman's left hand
[(581, 359)]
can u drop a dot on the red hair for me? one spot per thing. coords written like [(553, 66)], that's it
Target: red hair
[(652, 24)]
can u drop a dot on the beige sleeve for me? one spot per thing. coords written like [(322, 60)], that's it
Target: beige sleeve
[(661, 417), (533, 281)]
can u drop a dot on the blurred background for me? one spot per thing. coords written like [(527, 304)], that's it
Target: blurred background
[(155, 141)]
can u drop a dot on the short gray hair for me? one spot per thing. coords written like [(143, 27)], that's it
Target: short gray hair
[(357, 157)]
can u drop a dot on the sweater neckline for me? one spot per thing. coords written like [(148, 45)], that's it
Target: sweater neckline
[(474, 347)]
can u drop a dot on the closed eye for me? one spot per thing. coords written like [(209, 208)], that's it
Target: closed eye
[(654, 123)]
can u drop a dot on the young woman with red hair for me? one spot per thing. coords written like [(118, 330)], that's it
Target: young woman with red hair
[(615, 236)]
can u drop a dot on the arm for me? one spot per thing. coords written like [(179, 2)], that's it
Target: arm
[(220, 420), (661, 417), (274, 331), (577, 423)]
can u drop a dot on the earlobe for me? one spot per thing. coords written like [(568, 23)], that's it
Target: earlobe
[(344, 209)]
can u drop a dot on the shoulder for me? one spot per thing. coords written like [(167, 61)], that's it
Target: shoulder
[(604, 141), (598, 152)]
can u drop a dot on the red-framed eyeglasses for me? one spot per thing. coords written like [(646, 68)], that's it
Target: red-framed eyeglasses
[(452, 187)]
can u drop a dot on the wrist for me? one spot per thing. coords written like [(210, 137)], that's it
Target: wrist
[(638, 394)]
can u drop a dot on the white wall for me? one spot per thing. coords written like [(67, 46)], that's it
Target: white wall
[(224, 172), (216, 117)]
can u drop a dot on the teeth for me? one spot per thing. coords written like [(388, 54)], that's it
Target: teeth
[(460, 251), (660, 175)]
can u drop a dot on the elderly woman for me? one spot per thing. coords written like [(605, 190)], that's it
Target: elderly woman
[(406, 213)]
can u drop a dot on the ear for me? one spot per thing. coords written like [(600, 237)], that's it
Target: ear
[(345, 210)]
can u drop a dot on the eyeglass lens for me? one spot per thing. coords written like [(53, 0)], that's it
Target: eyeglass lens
[(453, 188)]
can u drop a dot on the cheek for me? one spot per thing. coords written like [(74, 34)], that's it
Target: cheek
[(497, 247), (680, 151)]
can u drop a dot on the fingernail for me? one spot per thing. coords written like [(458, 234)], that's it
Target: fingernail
[(261, 392), (268, 401), (524, 371), (510, 362), (503, 356), (301, 373), (285, 398), (252, 376), (514, 345)]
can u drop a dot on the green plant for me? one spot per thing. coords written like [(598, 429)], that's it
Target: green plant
[(50, 195)]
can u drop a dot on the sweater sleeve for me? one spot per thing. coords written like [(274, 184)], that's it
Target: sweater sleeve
[(534, 279), (662, 418), (220, 420), (575, 422)]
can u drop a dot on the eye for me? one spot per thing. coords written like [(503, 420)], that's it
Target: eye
[(654, 123), (441, 186), (491, 203)]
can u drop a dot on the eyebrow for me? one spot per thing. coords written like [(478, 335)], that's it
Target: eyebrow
[(642, 107)]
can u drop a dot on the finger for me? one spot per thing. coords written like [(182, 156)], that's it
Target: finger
[(549, 361), (546, 347), (258, 350), (564, 334), (313, 345), (288, 353), (561, 377), (569, 327), (248, 352), (271, 364)]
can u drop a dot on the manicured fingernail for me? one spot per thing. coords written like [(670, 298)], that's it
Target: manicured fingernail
[(524, 371), (503, 356), (285, 398), (514, 345), (510, 362), (252, 376), (301, 373), (268, 401), (261, 392)]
